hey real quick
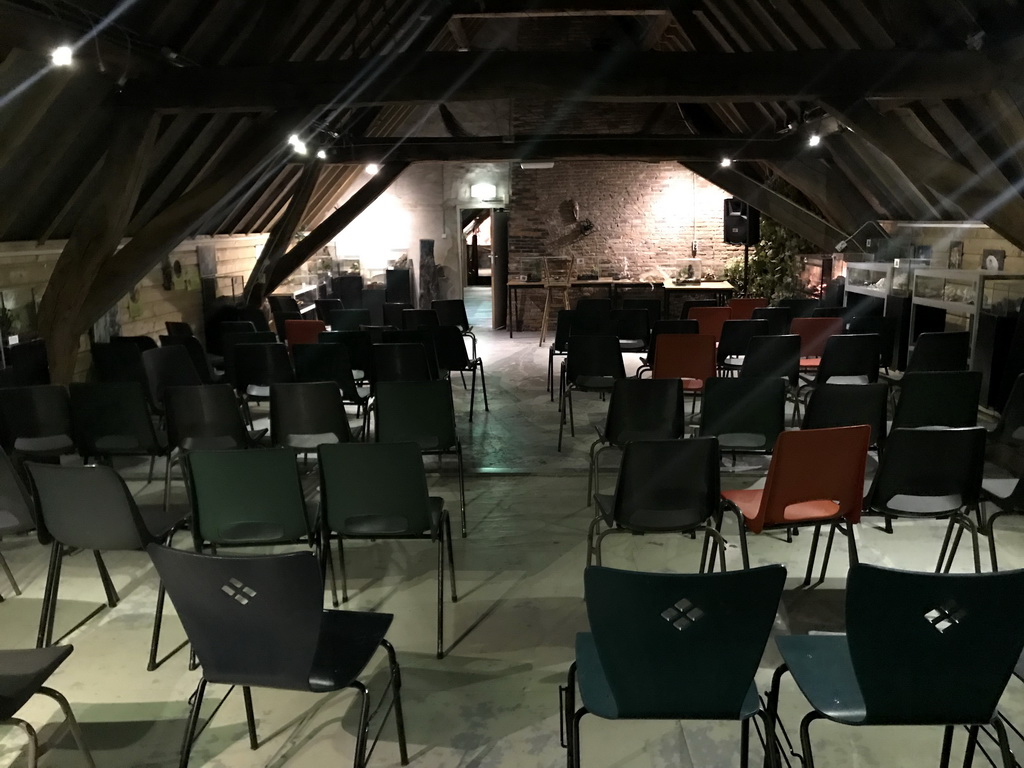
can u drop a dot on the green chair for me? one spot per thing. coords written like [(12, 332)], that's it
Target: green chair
[(421, 412), (919, 649), (379, 491), (247, 498), (672, 646)]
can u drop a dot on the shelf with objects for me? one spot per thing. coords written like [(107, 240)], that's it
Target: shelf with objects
[(983, 302)]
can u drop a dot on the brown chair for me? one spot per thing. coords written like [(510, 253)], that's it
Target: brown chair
[(743, 309), (303, 331), (816, 477), (711, 320), (689, 357)]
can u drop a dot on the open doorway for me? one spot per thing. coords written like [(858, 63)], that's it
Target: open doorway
[(476, 245)]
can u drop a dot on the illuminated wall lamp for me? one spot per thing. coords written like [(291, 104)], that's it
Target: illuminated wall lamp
[(483, 191), (536, 165)]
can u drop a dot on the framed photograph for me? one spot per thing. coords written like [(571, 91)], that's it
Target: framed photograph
[(923, 252), (993, 259), (956, 255)]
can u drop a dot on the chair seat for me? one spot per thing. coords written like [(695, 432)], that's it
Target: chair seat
[(384, 526), (823, 669), (810, 362), (348, 640), (22, 672), (693, 385), (998, 489), (749, 501), (632, 345), (258, 391), (926, 506), (51, 444), (741, 441), (594, 383), (309, 442), (159, 522)]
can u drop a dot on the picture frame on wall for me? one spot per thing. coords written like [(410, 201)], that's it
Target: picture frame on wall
[(923, 252), (993, 259), (956, 255)]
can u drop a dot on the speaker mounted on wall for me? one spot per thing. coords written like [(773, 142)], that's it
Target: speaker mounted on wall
[(742, 223)]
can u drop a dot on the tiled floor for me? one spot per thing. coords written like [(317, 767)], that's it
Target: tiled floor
[(493, 700)]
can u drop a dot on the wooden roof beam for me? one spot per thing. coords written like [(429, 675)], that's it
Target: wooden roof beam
[(638, 76)]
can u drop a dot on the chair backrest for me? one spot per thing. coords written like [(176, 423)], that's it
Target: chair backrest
[(450, 348), (400, 362), (279, 303), (685, 356), (416, 411), (823, 467), (668, 485), (324, 307), (423, 336), (778, 319), (111, 419), (194, 349), (773, 356), (593, 317), (557, 271), (307, 414), (303, 331), (205, 417), (451, 312), (929, 471), (938, 399), (745, 413), (652, 306), (281, 323), (169, 366), (885, 327), (915, 639), (326, 362), (261, 365), (645, 409), (357, 344), (691, 304), (393, 312), (349, 319), (814, 333), (227, 327), (593, 356), (16, 505), (415, 319), (669, 326), (850, 355), (631, 325), (800, 307), (34, 415), (736, 336), (246, 497), (840, 405), (743, 309), (178, 328), (232, 340), (1010, 429), (563, 329), (118, 362), (254, 315), (381, 481), (88, 507), (711, 319), (142, 343), (251, 619), (653, 630), (940, 352), (829, 311)]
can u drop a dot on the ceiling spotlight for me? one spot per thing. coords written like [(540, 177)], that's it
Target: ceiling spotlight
[(372, 168), (321, 154), (61, 56), (726, 162), (814, 140), (299, 147)]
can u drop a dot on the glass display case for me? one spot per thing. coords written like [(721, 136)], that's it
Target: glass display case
[(869, 278)]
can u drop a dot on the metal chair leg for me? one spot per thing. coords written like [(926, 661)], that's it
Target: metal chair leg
[(575, 737), (10, 576), (462, 489), (814, 553), (192, 723), (396, 693), (472, 392), (49, 608), (483, 384), (947, 746), (362, 735), (594, 524), (945, 544), (772, 754), (250, 717), (32, 747), (451, 558), (805, 738), (158, 618), (440, 595), (1004, 744), (108, 585), (992, 540)]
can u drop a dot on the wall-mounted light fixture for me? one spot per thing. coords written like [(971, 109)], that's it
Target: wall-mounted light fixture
[(536, 165), (483, 191)]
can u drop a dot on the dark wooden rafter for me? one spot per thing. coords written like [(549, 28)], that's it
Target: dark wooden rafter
[(787, 213), (985, 197), (282, 233), (94, 241), (828, 188), (330, 227), (636, 76)]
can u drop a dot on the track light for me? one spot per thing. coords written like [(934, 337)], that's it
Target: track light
[(297, 144), (61, 56), (372, 168), (814, 140), (321, 154), (725, 162)]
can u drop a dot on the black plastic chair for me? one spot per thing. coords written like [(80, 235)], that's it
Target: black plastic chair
[(142, 343), (452, 356), (200, 360), (593, 317), (649, 631), (281, 323), (224, 329), (800, 307), (416, 319), (281, 303), (563, 329), (850, 359), (324, 307), (393, 312), (422, 412), (111, 420), (746, 415), (424, 337), (330, 362), (938, 399), (932, 474), (651, 306), (633, 329), (90, 507), (1007, 494), (259, 621), (773, 357), (36, 422), (639, 409), (664, 486), (207, 417), (306, 415), (885, 327), (453, 312), (348, 319), (910, 655), (841, 405), (661, 327), (24, 674), (256, 367), (778, 319), (733, 343), (940, 352), (16, 511), (592, 364), (114, 363), (379, 491), (176, 328), (400, 362), (169, 366), (828, 311), (246, 498), (689, 304), (232, 340), (359, 346)]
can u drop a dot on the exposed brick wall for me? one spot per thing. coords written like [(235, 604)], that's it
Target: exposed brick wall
[(645, 216)]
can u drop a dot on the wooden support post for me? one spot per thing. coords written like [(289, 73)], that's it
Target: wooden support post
[(333, 224)]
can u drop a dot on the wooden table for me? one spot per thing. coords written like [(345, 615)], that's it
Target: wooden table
[(721, 290)]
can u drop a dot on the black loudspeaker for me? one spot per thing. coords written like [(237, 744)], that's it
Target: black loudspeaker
[(742, 223)]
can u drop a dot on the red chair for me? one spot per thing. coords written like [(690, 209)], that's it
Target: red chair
[(711, 320), (814, 333), (689, 357), (743, 309), (303, 331), (816, 477)]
